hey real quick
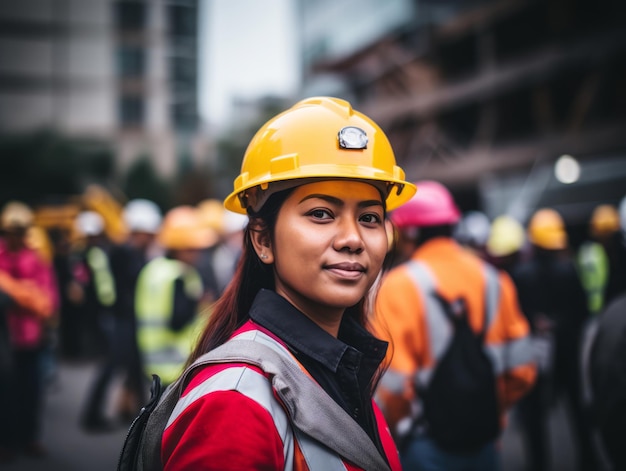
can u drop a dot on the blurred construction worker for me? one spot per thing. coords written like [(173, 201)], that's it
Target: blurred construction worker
[(505, 243), (226, 254), (602, 259), (142, 219), (472, 231), (93, 287), (212, 216), (37, 239), (168, 294), (409, 312), (553, 299), (217, 264), (604, 377), (29, 283)]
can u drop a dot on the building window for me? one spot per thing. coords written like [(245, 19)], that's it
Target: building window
[(131, 61), (131, 109), (130, 16), (182, 20), (183, 69), (184, 116)]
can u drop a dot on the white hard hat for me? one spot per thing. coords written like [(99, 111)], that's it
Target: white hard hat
[(141, 215), (234, 222), (89, 223), (473, 228)]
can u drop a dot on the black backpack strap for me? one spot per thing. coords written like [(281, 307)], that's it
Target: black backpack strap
[(438, 313), (132, 444), (492, 295), (436, 319)]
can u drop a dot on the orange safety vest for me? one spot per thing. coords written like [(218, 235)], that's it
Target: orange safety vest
[(418, 335)]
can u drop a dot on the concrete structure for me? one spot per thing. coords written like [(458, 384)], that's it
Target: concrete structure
[(486, 98), (124, 71)]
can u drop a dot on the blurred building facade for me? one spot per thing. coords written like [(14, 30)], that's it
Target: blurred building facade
[(485, 95), (117, 70)]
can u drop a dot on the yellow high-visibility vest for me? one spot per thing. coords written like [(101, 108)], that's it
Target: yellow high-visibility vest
[(593, 269), (164, 351), (104, 284)]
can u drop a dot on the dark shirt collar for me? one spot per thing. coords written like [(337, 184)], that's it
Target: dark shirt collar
[(301, 334)]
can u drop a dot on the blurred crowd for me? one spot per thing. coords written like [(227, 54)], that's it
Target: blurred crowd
[(121, 287), (573, 301), (128, 288)]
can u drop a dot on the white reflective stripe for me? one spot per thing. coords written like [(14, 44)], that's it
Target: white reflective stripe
[(492, 294), (393, 381), (422, 377), (509, 355), (166, 355), (439, 329), (266, 340), (590, 332), (317, 456), (251, 384), (153, 322)]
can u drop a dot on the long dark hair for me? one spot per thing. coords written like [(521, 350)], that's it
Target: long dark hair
[(251, 275)]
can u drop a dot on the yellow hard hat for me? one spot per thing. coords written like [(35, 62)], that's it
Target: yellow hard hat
[(37, 238), (212, 214), (547, 230), (505, 237), (16, 215), (318, 138), (604, 220), (183, 229)]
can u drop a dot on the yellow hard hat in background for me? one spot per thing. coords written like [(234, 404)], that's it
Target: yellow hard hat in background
[(604, 220), (98, 199), (184, 229), (318, 137), (16, 215), (505, 237), (547, 230), (212, 214), (37, 238)]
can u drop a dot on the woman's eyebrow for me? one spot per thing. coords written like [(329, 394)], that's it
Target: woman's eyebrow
[(340, 202)]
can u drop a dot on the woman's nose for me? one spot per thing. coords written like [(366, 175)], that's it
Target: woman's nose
[(349, 236)]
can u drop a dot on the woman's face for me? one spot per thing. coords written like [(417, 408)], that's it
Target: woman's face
[(329, 245)]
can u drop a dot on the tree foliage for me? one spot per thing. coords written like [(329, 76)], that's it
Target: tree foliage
[(37, 166), (142, 181)]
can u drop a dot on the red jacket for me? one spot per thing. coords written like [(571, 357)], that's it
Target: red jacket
[(225, 429)]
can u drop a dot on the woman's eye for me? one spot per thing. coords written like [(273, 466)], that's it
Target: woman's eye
[(320, 214), (371, 218)]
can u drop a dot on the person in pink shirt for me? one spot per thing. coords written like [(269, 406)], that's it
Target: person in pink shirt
[(29, 282)]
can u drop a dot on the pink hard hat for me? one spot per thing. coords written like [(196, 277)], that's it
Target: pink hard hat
[(432, 205)]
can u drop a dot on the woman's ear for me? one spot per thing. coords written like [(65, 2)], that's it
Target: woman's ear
[(262, 243)]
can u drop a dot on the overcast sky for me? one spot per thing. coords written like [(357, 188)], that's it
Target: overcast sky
[(247, 49)]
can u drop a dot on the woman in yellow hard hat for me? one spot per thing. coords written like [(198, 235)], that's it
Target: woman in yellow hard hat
[(316, 182)]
